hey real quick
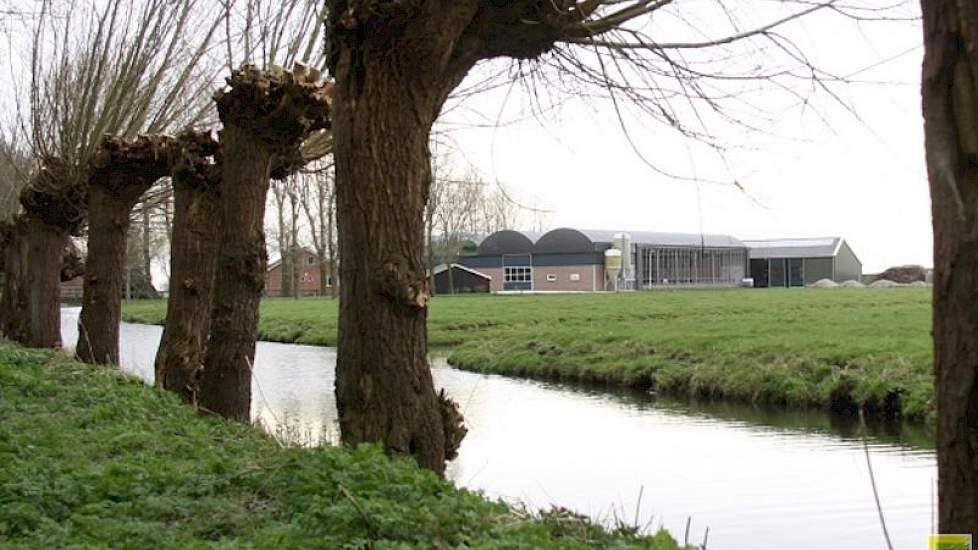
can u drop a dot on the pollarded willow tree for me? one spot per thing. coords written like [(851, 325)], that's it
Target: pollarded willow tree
[(196, 177), (54, 209), (950, 108), (267, 115), (395, 64), (217, 186), (121, 171)]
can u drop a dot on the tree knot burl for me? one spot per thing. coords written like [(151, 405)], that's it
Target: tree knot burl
[(403, 286), (72, 264), (195, 161), (278, 106), (121, 163)]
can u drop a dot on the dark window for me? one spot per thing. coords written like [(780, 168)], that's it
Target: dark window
[(759, 271), (310, 260), (796, 277), (518, 274), (776, 274)]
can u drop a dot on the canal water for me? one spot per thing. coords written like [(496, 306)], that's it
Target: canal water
[(756, 479)]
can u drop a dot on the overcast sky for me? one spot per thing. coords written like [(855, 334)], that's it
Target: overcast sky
[(817, 171)]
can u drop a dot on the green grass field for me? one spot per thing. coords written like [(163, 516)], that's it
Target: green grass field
[(93, 459), (838, 348)]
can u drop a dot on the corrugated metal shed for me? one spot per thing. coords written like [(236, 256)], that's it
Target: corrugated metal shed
[(667, 239), (822, 247)]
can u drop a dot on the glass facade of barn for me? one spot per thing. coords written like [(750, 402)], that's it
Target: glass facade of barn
[(673, 266)]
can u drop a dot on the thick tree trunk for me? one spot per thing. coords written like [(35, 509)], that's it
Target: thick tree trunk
[(15, 299), (45, 245), (193, 263), (950, 107), (385, 392), (225, 384), (109, 206)]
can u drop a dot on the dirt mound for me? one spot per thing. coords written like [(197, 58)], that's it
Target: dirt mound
[(884, 283), (852, 284), (904, 274), (824, 283)]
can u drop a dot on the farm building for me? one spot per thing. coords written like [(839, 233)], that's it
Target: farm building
[(460, 280), (308, 276), (800, 262), (568, 259)]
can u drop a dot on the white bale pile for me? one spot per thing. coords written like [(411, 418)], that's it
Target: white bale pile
[(824, 283), (884, 283), (852, 284)]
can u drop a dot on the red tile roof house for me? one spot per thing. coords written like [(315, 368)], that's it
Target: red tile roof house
[(308, 278)]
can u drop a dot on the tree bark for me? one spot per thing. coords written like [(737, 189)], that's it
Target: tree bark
[(193, 264), (382, 118), (950, 108), (15, 299), (45, 245), (225, 384), (110, 204), (266, 115)]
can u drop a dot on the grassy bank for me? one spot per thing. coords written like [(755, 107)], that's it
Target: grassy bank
[(94, 459), (838, 348)]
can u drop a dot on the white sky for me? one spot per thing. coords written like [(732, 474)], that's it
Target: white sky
[(861, 178)]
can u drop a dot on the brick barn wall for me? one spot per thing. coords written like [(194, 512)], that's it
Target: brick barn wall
[(308, 277), (591, 278), (496, 283), (273, 281)]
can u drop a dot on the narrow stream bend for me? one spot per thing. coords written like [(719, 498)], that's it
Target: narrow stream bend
[(758, 479)]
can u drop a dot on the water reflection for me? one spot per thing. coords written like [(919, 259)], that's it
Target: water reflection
[(759, 478)]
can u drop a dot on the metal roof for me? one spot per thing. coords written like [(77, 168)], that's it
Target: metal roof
[(444, 267), (822, 247), (667, 239), (508, 241), (563, 241)]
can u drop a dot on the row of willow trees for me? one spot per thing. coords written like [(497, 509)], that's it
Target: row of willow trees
[(184, 97), (218, 253)]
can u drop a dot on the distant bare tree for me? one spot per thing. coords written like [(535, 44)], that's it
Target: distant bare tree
[(498, 211), (318, 198), (456, 216), (286, 201)]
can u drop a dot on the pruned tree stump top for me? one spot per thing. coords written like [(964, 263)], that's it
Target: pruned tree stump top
[(278, 106)]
